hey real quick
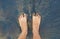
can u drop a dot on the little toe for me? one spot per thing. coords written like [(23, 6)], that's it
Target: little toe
[(37, 14)]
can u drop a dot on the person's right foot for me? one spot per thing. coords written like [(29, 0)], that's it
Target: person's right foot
[(36, 19)]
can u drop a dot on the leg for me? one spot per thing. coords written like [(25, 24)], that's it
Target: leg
[(23, 24), (36, 19)]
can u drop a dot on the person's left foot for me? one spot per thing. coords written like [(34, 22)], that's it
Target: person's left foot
[(23, 22), (36, 19)]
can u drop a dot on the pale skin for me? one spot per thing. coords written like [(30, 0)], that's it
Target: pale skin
[(36, 19)]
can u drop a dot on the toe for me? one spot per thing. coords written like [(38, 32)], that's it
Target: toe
[(21, 15), (25, 15), (38, 15)]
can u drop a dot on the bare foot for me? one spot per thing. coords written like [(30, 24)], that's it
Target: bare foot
[(23, 24), (36, 19)]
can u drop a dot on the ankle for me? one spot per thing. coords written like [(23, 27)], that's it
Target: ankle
[(35, 32), (24, 32)]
